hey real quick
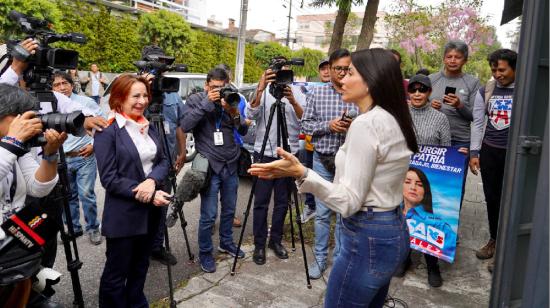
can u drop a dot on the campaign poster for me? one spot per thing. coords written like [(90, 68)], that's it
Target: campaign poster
[(432, 193)]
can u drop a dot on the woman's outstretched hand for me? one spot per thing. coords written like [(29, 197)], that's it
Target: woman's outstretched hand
[(287, 166)]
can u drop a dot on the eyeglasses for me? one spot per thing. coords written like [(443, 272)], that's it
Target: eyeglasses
[(340, 69), (419, 88), (62, 83)]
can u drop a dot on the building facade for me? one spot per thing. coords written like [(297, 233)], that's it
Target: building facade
[(314, 31)]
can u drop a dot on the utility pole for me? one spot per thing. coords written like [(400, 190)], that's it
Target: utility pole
[(288, 28), (239, 66)]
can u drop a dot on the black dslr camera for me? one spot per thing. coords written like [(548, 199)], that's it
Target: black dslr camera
[(231, 95), (282, 77), (157, 64), (38, 75)]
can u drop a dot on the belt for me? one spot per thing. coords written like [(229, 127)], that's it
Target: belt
[(72, 154)]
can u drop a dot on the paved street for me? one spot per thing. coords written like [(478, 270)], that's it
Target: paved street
[(467, 281), (281, 283), (156, 287)]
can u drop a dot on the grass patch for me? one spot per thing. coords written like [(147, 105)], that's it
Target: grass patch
[(308, 228), (161, 303)]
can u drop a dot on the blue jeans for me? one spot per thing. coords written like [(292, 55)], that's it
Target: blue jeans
[(322, 219), (96, 98), (462, 144), (82, 173), (373, 245), (226, 184)]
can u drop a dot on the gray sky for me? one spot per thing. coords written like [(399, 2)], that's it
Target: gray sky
[(272, 16)]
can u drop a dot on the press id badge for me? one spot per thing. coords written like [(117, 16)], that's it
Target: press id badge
[(166, 128), (218, 138)]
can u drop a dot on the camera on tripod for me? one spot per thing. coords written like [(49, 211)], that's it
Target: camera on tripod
[(282, 77), (38, 75), (156, 64)]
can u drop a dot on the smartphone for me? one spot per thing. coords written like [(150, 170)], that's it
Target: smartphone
[(449, 90)]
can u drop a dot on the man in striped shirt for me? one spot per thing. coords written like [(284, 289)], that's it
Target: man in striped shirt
[(323, 119)]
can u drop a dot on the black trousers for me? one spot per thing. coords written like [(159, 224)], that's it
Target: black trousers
[(125, 271), (491, 163), (262, 198)]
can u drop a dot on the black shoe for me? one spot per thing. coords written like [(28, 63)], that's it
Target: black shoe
[(78, 233), (279, 250), (259, 256), (38, 300), (164, 256), (402, 269), (434, 277)]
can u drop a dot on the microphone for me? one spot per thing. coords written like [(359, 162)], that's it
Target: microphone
[(349, 115), (188, 189)]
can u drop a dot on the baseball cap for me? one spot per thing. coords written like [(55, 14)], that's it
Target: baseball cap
[(323, 62), (421, 79)]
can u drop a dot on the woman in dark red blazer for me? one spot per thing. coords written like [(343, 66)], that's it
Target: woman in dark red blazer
[(132, 180)]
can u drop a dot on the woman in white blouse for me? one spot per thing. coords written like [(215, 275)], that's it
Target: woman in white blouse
[(367, 187), (132, 166), (20, 173)]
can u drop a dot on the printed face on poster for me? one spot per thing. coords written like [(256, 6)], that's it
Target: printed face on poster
[(432, 193)]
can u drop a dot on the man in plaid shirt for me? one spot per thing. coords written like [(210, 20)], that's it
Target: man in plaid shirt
[(323, 120)]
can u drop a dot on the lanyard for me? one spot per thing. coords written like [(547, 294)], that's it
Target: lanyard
[(219, 121)]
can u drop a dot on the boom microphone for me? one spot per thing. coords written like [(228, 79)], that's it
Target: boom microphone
[(188, 189)]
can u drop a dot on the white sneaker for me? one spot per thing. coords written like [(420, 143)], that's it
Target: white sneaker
[(307, 214)]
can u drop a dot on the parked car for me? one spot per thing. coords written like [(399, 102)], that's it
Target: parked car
[(189, 83)]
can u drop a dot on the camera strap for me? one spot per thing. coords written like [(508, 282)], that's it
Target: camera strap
[(218, 135)]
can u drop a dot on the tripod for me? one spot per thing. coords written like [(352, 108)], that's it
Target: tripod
[(60, 197), (282, 139), (157, 119), (61, 194)]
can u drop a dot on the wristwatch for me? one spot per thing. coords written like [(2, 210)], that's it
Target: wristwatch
[(51, 158)]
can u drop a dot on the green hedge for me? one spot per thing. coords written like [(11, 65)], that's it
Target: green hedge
[(115, 41)]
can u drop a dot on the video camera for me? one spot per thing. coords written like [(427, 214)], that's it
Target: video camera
[(45, 58), (282, 77), (156, 65), (38, 75)]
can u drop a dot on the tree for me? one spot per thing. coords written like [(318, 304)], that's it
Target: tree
[(344, 9), (367, 26), (169, 31), (422, 31), (311, 61), (349, 38), (42, 9), (264, 52), (112, 41)]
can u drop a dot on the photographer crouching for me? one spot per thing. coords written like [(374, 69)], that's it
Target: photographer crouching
[(21, 174)]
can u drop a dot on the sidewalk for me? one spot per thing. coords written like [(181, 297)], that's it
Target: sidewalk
[(282, 283)]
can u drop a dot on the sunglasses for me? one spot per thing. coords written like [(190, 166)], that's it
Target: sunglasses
[(419, 88)]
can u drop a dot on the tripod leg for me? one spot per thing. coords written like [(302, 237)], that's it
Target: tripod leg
[(289, 203), (300, 231), (252, 190), (61, 194), (169, 269), (183, 223), (246, 214), (293, 190)]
